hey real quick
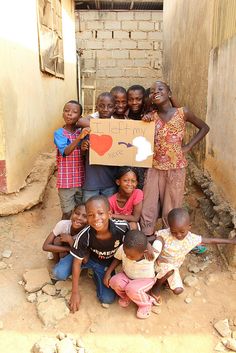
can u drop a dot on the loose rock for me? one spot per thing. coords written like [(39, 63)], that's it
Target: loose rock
[(211, 278), (220, 347), (63, 284), (222, 326), (61, 335), (234, 334), (36, 279), (193, 268), (64, 292), (230, 343), (197, 293), (49, 289), (65, 346), (6, 253), (190, 281), (52, 310), (188, 300), (93, 328), (31, 297), (3, 265), (45, 345)]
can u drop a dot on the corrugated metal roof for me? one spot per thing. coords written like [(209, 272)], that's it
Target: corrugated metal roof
[(138, 5)]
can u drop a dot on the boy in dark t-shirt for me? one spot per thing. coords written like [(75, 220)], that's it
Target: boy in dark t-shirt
[(100, 240)]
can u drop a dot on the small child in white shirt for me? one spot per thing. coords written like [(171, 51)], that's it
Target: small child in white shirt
[(178, 242), (138, 273)]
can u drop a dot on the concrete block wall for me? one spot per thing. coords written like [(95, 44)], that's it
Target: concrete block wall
[(123, 47)]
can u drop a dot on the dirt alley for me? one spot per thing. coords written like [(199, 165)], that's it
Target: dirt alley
[(179, 328)]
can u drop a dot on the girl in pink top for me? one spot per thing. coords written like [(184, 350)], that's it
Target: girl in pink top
[(127, 202)]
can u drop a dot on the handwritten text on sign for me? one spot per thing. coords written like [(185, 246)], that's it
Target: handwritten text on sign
[(121, 142)]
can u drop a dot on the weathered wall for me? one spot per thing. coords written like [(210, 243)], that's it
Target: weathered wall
[(221, 116), (199, 62), (30, 101), (187, 39), (124, 47)]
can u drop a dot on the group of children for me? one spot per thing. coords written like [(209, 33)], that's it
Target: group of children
[(108, 219)]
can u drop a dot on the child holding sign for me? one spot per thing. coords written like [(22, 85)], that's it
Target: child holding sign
[(100, 179), (127, 203)]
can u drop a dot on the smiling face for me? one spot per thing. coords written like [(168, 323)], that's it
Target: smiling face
[(127, 182), (120, 102), (159, 92), (105, 107), (98, 215), (135, 100), (71, 113), (79, 217)]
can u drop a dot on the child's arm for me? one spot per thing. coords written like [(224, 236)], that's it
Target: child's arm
[(134, 217), (49, 245), (109, 271), (218, 241), (83, 122), (74, 301), (200, 124), (70, 148), (66, 238)]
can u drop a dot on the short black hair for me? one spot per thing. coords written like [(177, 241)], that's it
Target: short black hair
[(164, 83), (78, 103), (135, 239), (179, 215), (118, 89), (106, 94), (102, 198), (125, 169), (136, 88), (78, 205)]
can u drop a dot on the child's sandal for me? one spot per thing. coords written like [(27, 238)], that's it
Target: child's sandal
[(144, 312)]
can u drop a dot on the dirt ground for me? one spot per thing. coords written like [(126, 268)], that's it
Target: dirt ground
[(179, 328)]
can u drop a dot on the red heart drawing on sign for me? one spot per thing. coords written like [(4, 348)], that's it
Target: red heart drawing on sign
[(100, 144)]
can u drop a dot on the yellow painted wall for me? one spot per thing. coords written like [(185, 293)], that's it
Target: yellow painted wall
[(31, 102), (199, 63)]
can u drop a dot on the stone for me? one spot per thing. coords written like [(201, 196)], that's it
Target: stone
[(49, 289), (65, 346), (222, 326), (193, 268), (211, 278), (197, 293), (3, 265), (52, 311), (61, 335), (80, 343), (190, 281), (63, 284), (156, 310), (45, 345), (43, 298), (234, 334), (36, 279), (21, 283), (6, 253), (39, 293), (105, 305), (93, 328), (229, 343), (64, 292), (31, 297), (220, 347), (203, 266), (188, 300), (1, 325)]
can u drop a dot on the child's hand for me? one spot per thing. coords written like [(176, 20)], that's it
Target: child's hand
[(106, 279), (161, 260), (85, 145), (74, 302), (149, 253), (148, 117), (86, 131), (66, 238), (185, 149)]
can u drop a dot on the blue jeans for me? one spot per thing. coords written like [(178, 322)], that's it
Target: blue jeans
[(105, 192), (63, 270)]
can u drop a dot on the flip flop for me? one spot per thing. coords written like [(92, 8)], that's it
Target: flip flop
[(157, 300), (199, 249), (144, 312)]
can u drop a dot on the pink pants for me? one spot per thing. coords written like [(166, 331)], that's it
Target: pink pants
[(134, 289), (163, 190)]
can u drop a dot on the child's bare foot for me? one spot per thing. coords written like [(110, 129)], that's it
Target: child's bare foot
[(124, 302)]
